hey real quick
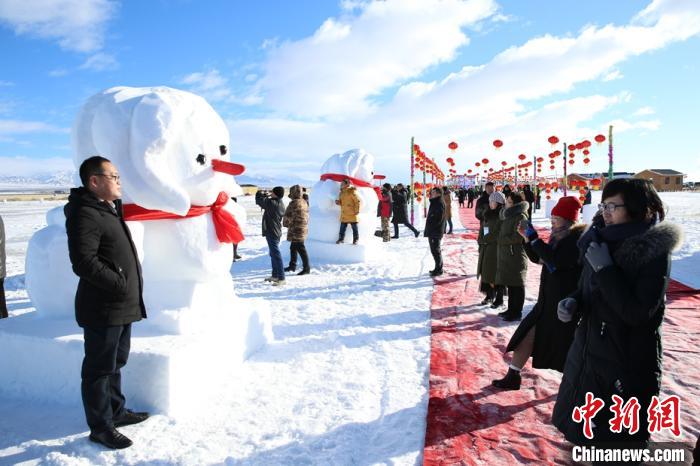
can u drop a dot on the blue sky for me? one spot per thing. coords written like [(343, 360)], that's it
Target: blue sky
[(299, 81)]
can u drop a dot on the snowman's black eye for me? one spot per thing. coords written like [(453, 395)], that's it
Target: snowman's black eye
[(201, 159)]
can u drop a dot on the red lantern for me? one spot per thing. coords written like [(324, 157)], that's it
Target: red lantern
[(582, 191), (572, 155), (478, 164), (453, 146), (522, 157), (504, 163), (555, 185), (586, 143), (469, 171), (553, 140), (586, 152), (571, 162), (548, 197), (416, 148), (596, 182), (572, 147), (599, 139), (540, 185), (540, 159), (449, 160), (582, 199), (586, 161), (579, 146), (485, 161), (497, 143), (557, 153)]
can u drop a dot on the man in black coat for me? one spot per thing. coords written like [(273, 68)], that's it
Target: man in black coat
[(435, 228), (273, 211), (471, 194), (530, 198), (108, 299), (400, 211), (482, 204)]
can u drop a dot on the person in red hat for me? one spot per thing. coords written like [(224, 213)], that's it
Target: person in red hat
[(541, 335)]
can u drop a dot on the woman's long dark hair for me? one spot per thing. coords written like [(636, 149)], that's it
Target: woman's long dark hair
[(641, 199)]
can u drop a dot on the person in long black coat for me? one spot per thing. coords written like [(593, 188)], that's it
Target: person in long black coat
[(435, 228), (541, 335), (530, 198), (617, 348), (400, 211), (109, 297), (487, 266)]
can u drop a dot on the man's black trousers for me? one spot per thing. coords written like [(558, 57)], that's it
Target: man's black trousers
[(106, 352), (436, 252)]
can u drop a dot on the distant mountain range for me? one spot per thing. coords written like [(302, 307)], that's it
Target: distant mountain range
[(270, 182), (46, 181), (66, 179)]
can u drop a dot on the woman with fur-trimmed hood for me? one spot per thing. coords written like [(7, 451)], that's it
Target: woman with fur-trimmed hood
[(296, 219), (617, 350), (541, 335)]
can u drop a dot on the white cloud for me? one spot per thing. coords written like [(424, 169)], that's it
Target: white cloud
[(23, 127), (613, 75), (351, 59), (100, 62), (26, 166), (622, 125), (644, 111), (210, 85), (58, 72), (76, 24), (474, 105)]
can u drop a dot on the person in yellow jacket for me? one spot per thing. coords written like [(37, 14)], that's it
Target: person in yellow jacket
[(349, 203)]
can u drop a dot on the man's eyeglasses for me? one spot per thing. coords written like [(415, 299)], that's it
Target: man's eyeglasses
[(609, 207), (111, 177)]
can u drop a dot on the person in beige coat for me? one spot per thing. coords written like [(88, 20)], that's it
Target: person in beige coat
[(296, 219), (447, 197), (3, 304)]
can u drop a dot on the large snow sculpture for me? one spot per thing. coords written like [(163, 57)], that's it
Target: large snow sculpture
[(324, 215), (166, 145)]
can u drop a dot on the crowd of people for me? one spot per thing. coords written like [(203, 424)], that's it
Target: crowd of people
[(600, 303), (597, 319)]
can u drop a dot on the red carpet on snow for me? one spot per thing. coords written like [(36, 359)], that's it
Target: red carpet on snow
[(470, 423)]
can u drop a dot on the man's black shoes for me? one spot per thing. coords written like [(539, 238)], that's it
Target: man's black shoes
[(130, 417), (111, 438)]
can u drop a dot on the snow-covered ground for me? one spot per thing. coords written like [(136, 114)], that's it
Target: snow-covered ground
[(345, 382)]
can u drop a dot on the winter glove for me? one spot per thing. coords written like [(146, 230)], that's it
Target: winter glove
[(598, 255), (566, 309)]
